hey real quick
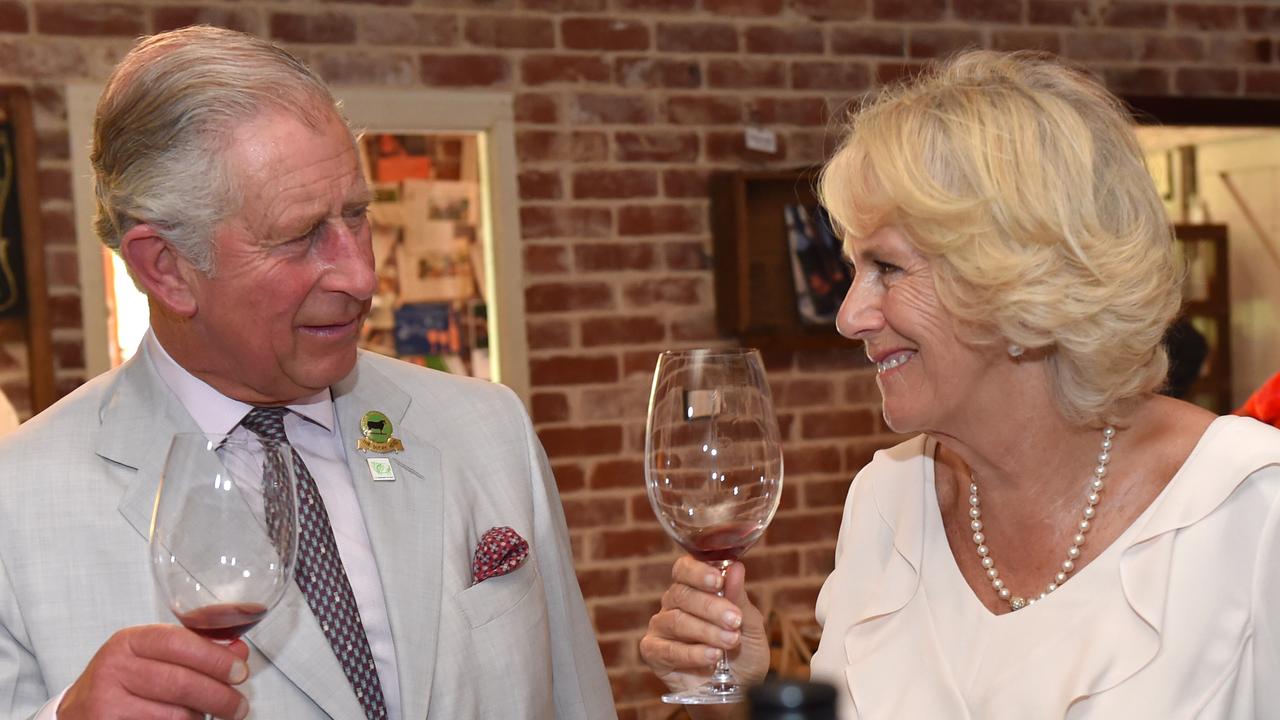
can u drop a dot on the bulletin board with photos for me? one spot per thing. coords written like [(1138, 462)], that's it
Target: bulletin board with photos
[(428, 247)]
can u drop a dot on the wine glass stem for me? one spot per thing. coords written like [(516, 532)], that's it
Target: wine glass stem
[(722, 679)]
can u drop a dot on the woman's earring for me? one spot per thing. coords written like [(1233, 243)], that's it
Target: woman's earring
[(1015, 350)]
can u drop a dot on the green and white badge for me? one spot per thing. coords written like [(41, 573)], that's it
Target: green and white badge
[(380, 469)]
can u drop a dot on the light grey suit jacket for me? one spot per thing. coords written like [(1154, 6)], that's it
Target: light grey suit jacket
[(77, 485)]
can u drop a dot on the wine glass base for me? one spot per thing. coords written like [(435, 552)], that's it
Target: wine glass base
[(709, 694)]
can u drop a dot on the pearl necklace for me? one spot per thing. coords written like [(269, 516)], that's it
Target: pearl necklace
[(1017, 602)]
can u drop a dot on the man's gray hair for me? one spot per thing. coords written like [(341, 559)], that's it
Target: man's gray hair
[(164, 122)]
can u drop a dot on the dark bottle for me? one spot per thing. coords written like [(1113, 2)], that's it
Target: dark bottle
[(777, 699)]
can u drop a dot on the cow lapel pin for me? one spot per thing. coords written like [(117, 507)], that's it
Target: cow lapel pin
[(376, 429)]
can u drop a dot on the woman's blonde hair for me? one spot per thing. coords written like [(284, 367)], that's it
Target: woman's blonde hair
[(1023, 182)]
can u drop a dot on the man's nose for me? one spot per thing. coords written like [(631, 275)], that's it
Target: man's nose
[(351, 262)]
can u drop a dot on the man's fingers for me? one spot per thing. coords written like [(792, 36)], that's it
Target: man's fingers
[(682, 627), (695, 573), (667, 655), (181, 687), (705, 605), (179, 646)]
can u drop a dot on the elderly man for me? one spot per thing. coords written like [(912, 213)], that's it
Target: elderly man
[(231, 186)]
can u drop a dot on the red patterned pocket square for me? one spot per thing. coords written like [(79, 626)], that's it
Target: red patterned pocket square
[(500, 551)]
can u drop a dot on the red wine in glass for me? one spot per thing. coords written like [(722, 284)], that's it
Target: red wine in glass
[(713, 468), (223, 621)]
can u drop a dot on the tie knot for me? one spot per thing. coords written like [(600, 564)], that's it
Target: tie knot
[(266, 422)]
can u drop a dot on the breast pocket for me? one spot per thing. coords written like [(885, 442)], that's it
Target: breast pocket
[(496, 597)]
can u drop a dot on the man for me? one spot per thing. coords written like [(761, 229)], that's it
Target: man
[(232, 189)]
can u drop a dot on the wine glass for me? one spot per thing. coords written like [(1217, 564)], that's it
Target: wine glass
[(224, 532), (713, 468)]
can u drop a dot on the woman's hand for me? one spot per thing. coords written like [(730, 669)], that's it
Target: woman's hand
[(694, 626)]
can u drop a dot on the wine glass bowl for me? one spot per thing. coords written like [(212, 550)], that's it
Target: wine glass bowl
[(713, 466), (224, 531)]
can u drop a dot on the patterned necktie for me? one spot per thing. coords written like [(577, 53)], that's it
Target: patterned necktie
[(322, 578)]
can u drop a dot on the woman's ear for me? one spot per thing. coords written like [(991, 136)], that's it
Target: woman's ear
[(165, 276)]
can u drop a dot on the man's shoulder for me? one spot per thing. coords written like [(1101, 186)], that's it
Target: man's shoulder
[(72, 417)]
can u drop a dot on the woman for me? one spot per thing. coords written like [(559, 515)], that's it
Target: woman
[(1059, 540)]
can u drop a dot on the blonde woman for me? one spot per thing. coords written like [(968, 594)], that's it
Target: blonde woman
[(1058, 540)]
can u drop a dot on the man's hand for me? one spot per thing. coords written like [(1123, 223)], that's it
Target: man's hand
[(160, 672), (694, 626)]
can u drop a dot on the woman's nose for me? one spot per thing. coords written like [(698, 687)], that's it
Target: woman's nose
[(860, 313)]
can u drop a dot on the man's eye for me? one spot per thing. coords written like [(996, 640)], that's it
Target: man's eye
[(356, 214)]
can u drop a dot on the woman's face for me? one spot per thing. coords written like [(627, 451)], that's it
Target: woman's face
[(927, 375)]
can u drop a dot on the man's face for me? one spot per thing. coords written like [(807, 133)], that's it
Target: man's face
[(293, 270)]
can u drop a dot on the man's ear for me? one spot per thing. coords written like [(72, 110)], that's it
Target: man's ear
[(165, 276)]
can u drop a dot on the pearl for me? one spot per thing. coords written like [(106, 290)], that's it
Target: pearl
[(1017, 602)]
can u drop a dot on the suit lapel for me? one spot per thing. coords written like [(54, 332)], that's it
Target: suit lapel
[(139, 417), (404, 522)]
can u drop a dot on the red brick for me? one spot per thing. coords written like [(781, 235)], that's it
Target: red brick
[(643, 72), (569, 477), (63, 266), (548, 334), (510, 32), (697, 37), (65, 386), (1206, 81), (1136, 81), (826, 10), (682, 255), (797, 597), (614, 184), (888, 41), (618, 474), (729, 74), (565, 222), (58, 227), (54, 183), (330, 28), (13, 17), (704, 110), (1262, 82), (622, 330), (1172, 48), (549, 407), (1000, 11), (767, 565), (1154, 15), (843, 76), (859, 453), (660, 220), (545, 69), (771, 40), (89, 19), (819, 561), (1043, 40), (1206, 17), (908, 10), (539, 185), (613, 257), (602, 582), (51, 144), (545, 259), (825, 493), (803, 392), (1262, 18), (806, 148), (573, 6), (860, 388), (639, 365), (564, 297), (743, 8), (174, 17), (64, 311), (537, 108), (581, 441), (1095, 47), (804, 528), (464, 70), (788, 111), (603, 34), (1056, 12), (590, 109), (671, 291), (359, 67), (629, 615), (540, 145), (68, 354), (656, 146), (414, 29), (837, 424), (594, 512), (730, 146), (1233, 50), (695, 328), (942, 43), (639, 542), (847, 356), (808, 459), (670, 6), (615, 653), (685, 183)]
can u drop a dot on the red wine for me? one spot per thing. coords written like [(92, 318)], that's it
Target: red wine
[(724, 542), (223, 622)]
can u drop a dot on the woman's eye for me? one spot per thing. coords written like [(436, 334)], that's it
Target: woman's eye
[(886, 268)]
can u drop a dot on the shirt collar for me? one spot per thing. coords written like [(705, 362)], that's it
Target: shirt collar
[(214, 412)]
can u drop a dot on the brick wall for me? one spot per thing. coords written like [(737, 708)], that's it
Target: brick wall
[(623, 108)]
